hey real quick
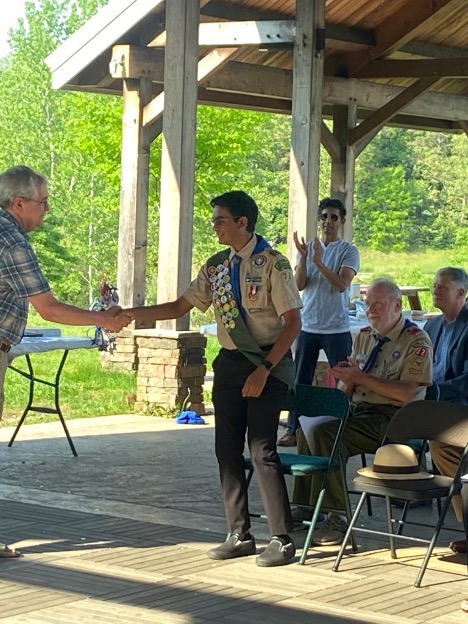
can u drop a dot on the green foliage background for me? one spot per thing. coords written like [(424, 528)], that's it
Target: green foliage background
[(411, 186)]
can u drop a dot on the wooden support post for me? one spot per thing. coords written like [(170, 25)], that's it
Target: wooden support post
[(133, 222), (306, 119), (343, 167), (178, 153)]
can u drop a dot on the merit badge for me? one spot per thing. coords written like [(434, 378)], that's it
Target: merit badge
[(260, 260), (211, 270), (219, 267), (232, 324), (235, 312), (226, 263), (228, 287), (226, 307)]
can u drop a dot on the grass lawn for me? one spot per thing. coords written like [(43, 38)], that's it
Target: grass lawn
[(87, 389)]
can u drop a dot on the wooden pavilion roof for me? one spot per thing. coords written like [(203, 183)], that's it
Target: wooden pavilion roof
[(374, 50)]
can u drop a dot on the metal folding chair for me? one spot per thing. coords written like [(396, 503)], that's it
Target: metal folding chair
[(315, 401), (430, 420)]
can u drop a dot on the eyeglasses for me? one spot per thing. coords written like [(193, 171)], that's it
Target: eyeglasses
[(43, 202), (333, 217), (220, 220)]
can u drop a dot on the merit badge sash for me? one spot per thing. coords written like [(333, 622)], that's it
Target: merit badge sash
[(232, 314)]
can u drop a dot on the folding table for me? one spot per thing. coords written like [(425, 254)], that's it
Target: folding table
[(41, 344)]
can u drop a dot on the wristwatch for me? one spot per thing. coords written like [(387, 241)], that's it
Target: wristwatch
[(267, 364)]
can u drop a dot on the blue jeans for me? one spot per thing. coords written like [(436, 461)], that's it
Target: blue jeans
[(337, 347)]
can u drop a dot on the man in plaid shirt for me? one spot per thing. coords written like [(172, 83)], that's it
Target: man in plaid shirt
[(24, 201)]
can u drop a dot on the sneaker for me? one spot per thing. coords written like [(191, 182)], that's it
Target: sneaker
[(289, 439), (299, 514), (276, 554), (331, 532), (233, 547)]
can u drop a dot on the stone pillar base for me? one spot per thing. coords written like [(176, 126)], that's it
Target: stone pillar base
[(125, 356), (170, 365)]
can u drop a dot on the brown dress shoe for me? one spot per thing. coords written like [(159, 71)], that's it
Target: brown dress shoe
[(459, 546), (289, 439)]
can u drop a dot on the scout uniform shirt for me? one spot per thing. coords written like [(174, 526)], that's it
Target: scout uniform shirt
[(268, 290), (407, 356)]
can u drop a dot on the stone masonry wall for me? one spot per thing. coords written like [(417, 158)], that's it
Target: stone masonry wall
[(170, 364), (125, 355)]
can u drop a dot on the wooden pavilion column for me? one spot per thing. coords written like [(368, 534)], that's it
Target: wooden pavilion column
[(178, 153), (343, 163), (133, 222), (306, 119)]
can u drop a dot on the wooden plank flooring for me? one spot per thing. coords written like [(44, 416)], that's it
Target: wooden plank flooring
[(96, 569)]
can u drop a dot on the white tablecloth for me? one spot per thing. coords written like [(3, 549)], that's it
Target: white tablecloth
[(40, 344)]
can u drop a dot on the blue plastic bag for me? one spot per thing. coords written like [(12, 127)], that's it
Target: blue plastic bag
[(189, 417)]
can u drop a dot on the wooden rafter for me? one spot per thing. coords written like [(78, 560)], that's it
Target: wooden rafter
[(206, 66), (367, 129), (402, 27), (454, 68)]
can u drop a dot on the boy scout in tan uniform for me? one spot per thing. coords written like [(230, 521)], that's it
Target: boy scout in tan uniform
[(396, 369), (256, 303)]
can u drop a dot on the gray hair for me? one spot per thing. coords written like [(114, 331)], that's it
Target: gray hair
[(456, 275), (19, 181), (392, 289)]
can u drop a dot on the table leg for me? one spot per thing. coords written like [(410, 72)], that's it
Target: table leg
[(414, 301), (44, 410)]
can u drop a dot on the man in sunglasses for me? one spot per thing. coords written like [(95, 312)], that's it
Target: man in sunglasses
[(324, 271)]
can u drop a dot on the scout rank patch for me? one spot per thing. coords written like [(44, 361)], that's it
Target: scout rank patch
[(222, 295)]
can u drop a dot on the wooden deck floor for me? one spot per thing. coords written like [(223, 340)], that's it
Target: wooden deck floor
[(89, 568)]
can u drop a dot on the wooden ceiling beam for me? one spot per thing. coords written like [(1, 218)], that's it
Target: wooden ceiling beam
[(367, 129), (243, 101), (209, 64), (401, 27), (134, 62), (456, 68)]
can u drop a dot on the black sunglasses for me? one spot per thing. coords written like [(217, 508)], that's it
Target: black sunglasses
[(333, 217)]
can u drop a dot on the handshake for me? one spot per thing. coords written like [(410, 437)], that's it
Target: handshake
[(114, 319)]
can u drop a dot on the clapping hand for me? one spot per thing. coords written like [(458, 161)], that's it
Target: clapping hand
[(317, 251), (349, 372), (300, 245)]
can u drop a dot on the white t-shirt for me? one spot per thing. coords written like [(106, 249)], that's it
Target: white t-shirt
[(325, 309)]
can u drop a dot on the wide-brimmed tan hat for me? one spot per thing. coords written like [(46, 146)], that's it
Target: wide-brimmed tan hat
[(395, 462)]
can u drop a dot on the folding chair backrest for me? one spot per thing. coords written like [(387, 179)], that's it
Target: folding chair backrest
[(432, 420), (318, 401)]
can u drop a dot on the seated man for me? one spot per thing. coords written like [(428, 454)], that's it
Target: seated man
[(449, 335), (397, 368)]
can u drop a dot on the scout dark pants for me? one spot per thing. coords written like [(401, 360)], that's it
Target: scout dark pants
[(236, 416)]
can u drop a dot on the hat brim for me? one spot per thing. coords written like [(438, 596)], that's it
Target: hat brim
[(388, 476)]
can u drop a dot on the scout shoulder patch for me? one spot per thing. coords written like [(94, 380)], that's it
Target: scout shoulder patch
[(283, 265), (413, 330)]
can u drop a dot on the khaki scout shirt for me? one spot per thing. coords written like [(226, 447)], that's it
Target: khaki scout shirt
[(406, 357), (268, 290)]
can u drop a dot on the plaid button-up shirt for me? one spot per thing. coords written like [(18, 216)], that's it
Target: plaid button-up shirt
[(20, 277)]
